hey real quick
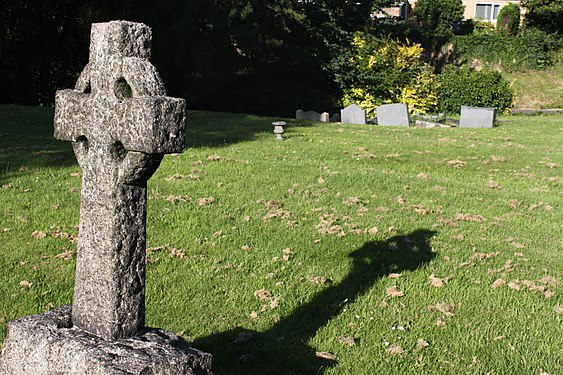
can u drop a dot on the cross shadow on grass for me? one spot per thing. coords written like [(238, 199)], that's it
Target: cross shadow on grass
[(284, 349)]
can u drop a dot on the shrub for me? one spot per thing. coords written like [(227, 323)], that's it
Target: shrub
[(421, 94), (465, 86), (546, 15), (532, 49), (374, 71), (509, 19)]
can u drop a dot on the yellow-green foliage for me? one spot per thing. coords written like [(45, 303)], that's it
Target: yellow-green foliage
[(361, 97), (375, 71), (422, 94)]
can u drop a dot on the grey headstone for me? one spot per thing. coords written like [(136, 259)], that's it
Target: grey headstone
[(353, 114), (311, 116), (476, 117), (120, 124), (396, 114)]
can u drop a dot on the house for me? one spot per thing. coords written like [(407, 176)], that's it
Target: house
[(484, 10)]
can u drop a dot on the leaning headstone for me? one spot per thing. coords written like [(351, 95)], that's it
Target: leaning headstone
[(311, 116), (476, 117), (396, 114), (353, 114), (120, 124)]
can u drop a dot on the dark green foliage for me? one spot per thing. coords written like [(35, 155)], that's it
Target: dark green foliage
[(509, 19), (546, 15), (237, 55), (436, 18), (41, 48), (532, 49), (465, 86)]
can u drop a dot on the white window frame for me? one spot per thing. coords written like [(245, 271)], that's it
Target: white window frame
[(493, 6)]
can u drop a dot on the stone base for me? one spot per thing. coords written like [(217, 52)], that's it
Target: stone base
[(48, 344)]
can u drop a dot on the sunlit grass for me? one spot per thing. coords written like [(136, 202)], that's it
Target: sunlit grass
[(287, 267), (538, 89)]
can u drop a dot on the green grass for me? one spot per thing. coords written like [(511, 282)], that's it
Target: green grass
[(347, 206), (538, 89)]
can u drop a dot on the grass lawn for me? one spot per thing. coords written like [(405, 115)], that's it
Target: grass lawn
[(344, 249), (539, 89)]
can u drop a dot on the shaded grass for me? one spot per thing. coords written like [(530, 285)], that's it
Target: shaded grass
[(297, 218)]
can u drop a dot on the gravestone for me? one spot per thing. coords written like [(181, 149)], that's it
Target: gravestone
[(311, 116), (396, 114), (476, 117), (120, 124), (353, 114)]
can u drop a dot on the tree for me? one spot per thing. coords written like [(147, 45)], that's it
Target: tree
[(509, 19), (251, 56), (436, 17), (546, 15)]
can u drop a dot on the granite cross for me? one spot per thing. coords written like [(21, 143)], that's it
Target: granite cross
[(120, 124)]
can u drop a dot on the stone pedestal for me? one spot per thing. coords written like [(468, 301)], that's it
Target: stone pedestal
[(48, 344)]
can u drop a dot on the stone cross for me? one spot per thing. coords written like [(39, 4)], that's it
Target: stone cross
[(120, 124)]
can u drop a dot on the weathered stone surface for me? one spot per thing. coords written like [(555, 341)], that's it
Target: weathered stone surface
[(48, 344), (311, 116), (476, 117), (120, 124), (353, 114), (396, 114)]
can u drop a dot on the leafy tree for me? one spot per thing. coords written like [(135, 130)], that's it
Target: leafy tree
[(546, 15), (509, 19), (436, 17)]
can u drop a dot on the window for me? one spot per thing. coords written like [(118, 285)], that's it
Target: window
[(487, 11)]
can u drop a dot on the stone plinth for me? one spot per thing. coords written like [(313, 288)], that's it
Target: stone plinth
[(48, 344)]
